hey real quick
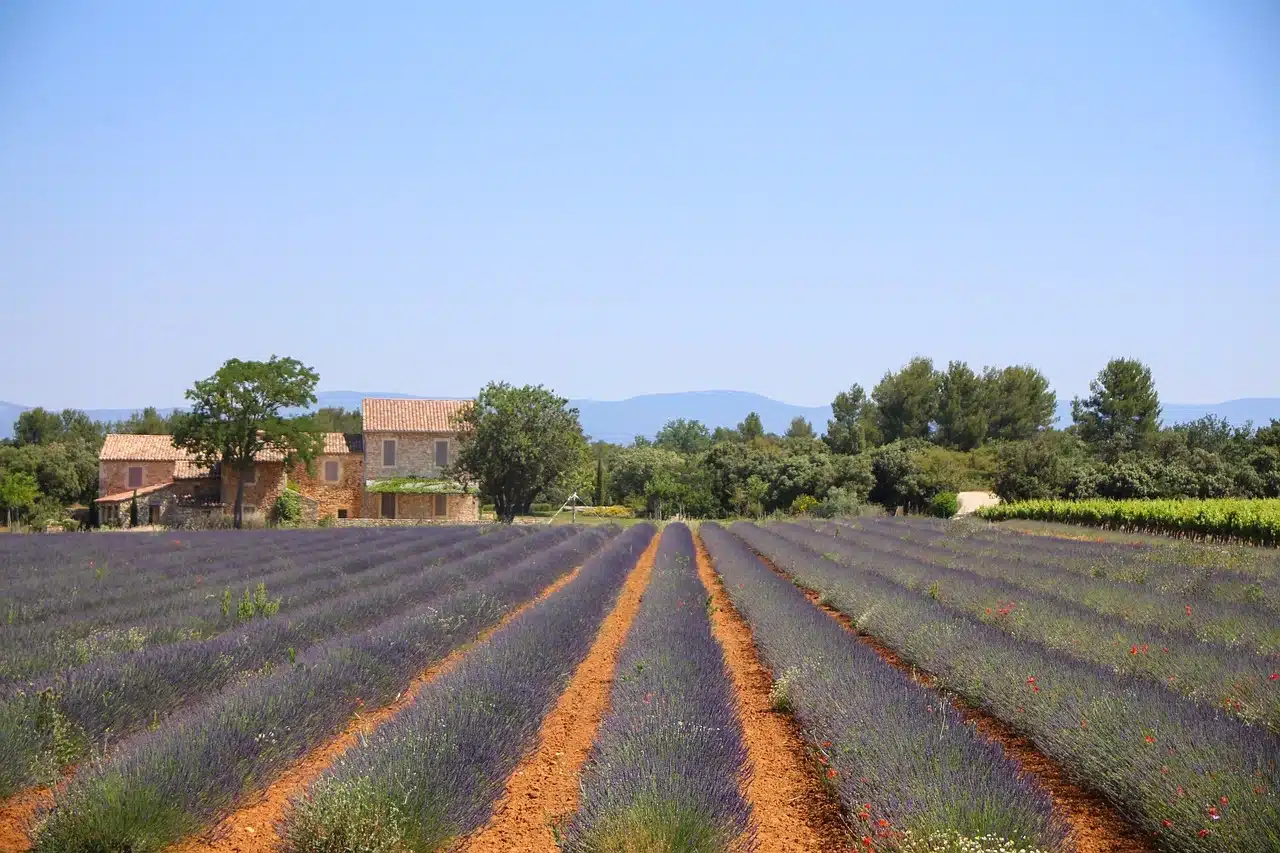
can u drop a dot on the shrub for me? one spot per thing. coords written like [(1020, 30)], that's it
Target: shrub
[(944, 504), (326, 521), (288, 509), (803, 505), (607, 512), (839, 503)]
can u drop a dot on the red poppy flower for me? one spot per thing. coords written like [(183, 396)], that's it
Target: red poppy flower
[(882, 822), (1222, 800), (1275, 675), (1149, 739), (1189, 613), (1202, 833), (831, 773), (863, 816), (826, 743), (1166, 823), (1031, 679), (867, 841)]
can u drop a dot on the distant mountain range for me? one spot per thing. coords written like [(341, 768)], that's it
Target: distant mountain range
[(622, 420)]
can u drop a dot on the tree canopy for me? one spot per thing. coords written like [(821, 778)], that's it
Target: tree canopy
[(515, 442), (907, 401), (239, 411), (683, 436), (1122, 409)]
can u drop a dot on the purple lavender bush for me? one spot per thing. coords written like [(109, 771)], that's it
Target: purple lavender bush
[(1237, 680), (57, 721), (173, 781), (668, 762), (1190, 776), (904, 764), (434, 772)]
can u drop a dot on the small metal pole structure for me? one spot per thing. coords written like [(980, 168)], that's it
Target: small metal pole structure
[(573, 499)]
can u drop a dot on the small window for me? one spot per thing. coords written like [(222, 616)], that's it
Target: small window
[(331, 471), (342, 513), (442, 506), (251, 477), (442, 453), (389, 453), (135, 477)]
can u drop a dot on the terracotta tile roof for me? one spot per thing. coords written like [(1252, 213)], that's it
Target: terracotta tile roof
[(383, 415), (343, 442), (185, 469), (159, 448), (139, 448), (124, 496)]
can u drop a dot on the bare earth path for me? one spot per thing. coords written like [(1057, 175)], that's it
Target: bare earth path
[(791, 810), (17, 815), (252, 828), (1095, 826), (543, 790)]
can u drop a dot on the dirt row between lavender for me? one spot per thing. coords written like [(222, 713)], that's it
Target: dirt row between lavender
[(792, 811), (1095, 827)]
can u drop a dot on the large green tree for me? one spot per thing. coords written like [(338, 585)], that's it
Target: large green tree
[(751, 427), (238, 412), (40, 426), (962, 415), (907, 401), (515, 442), (800, 428), (1122, 411), (1019, 402), (18, 493), (683, 436), (852, 428)]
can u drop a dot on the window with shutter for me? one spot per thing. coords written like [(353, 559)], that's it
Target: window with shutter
[(442, 453), (389, 453), (331, 471), (135, 477), (442, 506)]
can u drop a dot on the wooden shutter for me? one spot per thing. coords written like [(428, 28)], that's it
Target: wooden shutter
[(389, 453), (442, 505)]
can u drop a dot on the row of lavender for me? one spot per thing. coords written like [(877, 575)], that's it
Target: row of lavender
[(1229, 610), (1215, 572), (105, 567), (1192, 777), (63, 718), (434, 772), (906, 768), (1238, 680), (156, 612), (668, 761), (180, 778)]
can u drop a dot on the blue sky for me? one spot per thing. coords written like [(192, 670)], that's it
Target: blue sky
[(614, 199)]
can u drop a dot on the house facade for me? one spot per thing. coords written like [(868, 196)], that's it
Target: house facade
[(393, 471)]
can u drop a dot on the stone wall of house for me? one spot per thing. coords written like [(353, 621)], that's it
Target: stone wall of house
[(459, 508), (260, 494), (346, 494), (113, 476), (415, 454)]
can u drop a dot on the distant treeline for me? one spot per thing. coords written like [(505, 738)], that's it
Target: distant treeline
[(923, 430)]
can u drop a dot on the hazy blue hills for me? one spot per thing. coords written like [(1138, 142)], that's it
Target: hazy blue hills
[(622, 420)]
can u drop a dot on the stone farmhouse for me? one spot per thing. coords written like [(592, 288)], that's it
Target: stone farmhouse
[(392, 472)]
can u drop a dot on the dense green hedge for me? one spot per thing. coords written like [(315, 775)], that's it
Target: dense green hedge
[(1256, 521)]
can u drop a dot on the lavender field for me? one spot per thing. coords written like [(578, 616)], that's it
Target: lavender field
[(156, 688)]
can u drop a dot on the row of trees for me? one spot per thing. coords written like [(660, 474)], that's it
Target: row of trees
[(919, 432), (922, 431)]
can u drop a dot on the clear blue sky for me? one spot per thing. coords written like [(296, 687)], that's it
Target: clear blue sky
[(614, 199)]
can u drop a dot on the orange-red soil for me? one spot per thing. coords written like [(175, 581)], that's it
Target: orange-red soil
[(1094, 825), (543, 790), (252, 828), (791, 810), (17, 814)]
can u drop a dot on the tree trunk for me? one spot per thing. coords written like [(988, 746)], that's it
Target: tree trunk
[(237, 513)]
